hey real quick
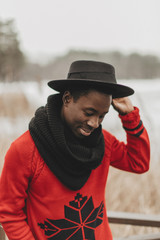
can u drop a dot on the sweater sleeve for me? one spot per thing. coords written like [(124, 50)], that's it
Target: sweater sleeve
[(13, 193), (133, 156)]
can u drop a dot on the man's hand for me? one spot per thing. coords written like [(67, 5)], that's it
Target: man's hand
[(122, 105)]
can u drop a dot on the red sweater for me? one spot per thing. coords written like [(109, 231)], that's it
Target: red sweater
[(34, 204)]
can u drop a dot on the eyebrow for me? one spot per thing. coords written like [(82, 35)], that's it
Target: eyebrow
[(93, 110)]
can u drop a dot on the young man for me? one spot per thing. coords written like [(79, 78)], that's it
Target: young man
[(54, 176)]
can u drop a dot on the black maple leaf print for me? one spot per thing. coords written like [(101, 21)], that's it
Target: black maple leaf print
[(81, 219)]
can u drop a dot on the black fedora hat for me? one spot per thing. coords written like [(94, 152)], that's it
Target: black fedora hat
[(94, 74)]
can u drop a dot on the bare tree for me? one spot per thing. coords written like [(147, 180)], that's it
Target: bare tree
[(11, 57)]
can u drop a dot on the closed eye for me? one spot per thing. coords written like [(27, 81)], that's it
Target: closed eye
[(91, 113), (88, 114)]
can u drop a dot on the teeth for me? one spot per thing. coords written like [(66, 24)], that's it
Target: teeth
[(85, 132)]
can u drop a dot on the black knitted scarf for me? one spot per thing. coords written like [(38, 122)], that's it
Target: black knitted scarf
[(71, 159)]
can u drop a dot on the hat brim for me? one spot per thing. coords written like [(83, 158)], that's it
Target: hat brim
[(116, 90)]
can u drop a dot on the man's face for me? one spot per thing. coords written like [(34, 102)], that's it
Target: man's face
[(84, 115)]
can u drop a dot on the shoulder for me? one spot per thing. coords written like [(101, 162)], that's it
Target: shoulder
[(23, 147), (24, 143), (25, 138), (24, 154), (108, 137)]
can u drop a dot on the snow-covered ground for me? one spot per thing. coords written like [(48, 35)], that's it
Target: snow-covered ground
[(146, 97)]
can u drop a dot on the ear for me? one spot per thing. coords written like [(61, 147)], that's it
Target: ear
[(67, 97)]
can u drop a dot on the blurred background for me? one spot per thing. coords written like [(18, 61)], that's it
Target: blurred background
[(39, 40)]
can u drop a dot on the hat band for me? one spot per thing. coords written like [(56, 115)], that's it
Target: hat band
[(103, 76)]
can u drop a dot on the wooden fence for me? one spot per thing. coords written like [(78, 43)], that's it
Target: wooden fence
[(136, 220), (127, 218)]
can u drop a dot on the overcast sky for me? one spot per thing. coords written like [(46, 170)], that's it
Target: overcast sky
[(55, 26)]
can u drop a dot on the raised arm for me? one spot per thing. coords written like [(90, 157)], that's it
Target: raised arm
[(134, 155)]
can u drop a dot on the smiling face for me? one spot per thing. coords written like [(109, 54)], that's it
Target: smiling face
[(86, 113)]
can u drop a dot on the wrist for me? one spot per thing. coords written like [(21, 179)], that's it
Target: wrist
[(132, 117), (127, 111)]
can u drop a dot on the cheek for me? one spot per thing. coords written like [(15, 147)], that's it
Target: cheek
[(77, 118), (73, 117)]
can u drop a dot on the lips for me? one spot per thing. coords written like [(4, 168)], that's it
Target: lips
[(85, 132)]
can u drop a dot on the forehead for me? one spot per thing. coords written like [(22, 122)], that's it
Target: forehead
[(94, 99)]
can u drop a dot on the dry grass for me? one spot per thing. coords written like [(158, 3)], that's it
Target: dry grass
[(133, 193), (13, 105), (125, 191)]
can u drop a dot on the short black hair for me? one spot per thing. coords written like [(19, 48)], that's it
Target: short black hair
[(79, 91)]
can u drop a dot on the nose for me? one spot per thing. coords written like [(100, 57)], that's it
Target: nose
[(93, 122)]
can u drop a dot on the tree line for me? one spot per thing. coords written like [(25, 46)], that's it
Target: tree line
[(11, 57), (14, 65)]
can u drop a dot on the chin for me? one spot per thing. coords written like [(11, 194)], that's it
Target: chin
[(78, 135)]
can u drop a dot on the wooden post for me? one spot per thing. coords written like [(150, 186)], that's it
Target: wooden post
[(2, 234)]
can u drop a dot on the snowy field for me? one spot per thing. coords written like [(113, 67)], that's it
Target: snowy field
[(146, 97), (18, 102)]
